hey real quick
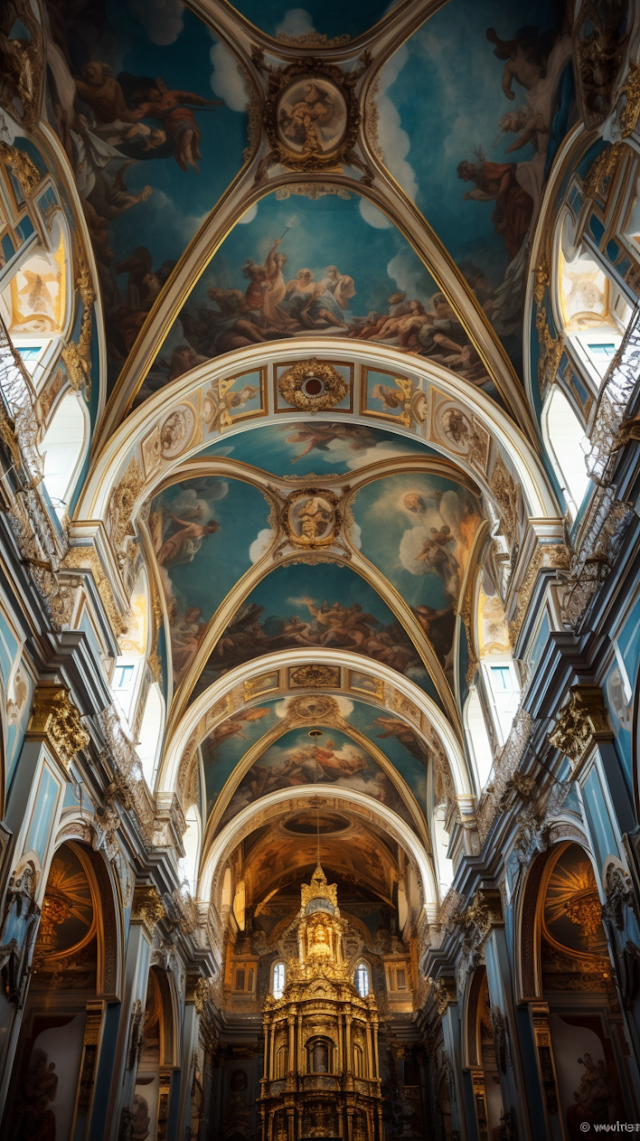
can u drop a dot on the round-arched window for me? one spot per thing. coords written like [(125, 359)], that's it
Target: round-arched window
[(279, 977), (362, 980)]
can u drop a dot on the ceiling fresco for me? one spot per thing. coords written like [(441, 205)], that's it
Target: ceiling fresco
[(418, 530), (294, 268), (314, 755), (316, 22), (491, 87), (232, 738), (315, 447), (319, 605), (191, 525), (151, 111)]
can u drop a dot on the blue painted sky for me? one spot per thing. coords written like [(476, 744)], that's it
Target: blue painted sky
[(283, 593), (441, 101), (241, 512), (329, 17), (330, 231), (181, 199), (364, 718), (222, 751), (274, 448), (347, 765), (387, 524)]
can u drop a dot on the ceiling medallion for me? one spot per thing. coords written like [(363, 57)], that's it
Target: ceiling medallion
[(312, 387), (310, 518), (311, 116), (313, 708)]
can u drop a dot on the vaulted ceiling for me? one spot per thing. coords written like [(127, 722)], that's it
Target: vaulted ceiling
[(312, 231)]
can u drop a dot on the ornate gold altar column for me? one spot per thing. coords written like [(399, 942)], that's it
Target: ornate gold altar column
[(321, 1038)]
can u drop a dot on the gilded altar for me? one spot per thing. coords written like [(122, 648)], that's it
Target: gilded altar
[(321, 1071)]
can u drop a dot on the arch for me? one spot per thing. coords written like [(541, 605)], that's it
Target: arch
[(181, 738), (362, 978), (169, 1026), (74, 831), (271, 738), (528, 970), (224, 843), (353, 564), (408, 221), (587, 303), (126, 441)]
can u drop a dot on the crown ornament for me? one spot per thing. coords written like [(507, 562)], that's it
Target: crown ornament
[(319, 895)]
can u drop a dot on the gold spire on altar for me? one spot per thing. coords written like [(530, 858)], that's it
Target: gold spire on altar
[(321, 891)]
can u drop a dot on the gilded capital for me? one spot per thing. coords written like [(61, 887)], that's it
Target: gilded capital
[(581, 723), (147, 908), (55, 719), (444, 993)]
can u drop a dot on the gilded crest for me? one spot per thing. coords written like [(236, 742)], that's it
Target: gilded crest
[(311, 518)]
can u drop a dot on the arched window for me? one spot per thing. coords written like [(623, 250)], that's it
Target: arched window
[(362, 980), (358, 1062), (282, 1058), (188, 865), (319, 1052), (478, 737), (134, 647), (150, 734), (504, 693), (239, 905), (564, 437), (62, 449), (226, 889), (593, 312), (441, 848), (279, 977)]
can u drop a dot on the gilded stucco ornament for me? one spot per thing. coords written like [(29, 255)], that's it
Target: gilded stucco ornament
[(304, 677), (581, 723), (310, 518), (618, 895), (443, 993), (311, 116), (600, 47), (312, 386), (22, 64), (316, 707), (601, 172), (122, 505), (23, 169), (631, 111), (147, 908), (55, 718)]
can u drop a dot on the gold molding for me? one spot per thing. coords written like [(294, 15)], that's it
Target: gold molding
[(147, 908), (581, 724), (55, 719)]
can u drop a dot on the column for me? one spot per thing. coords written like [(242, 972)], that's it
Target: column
[(54, 736), (188, 1052), (91, 1045), (291, 1020), (146, 911), (447, 1005)]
